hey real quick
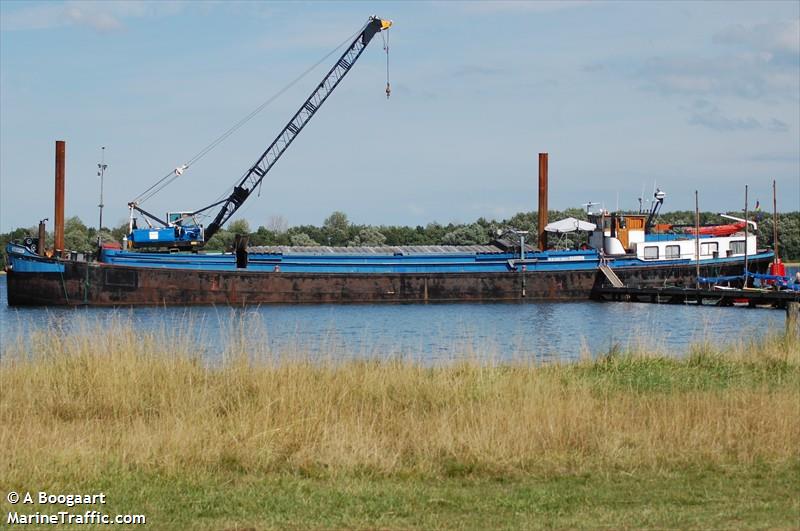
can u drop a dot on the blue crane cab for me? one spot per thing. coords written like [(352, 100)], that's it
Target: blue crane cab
[(181, 231)]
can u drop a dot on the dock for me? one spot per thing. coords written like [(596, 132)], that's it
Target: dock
[(752, 297)]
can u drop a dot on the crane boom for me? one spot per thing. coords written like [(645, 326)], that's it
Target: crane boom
[(252, 179)]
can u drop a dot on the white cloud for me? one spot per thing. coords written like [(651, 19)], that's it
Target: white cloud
[(101, 21), (777, 126), (746, 75), (714, 119), (524, 6), (782, 37), (100, 16), (705, 114), (478, 71), (762, 63)]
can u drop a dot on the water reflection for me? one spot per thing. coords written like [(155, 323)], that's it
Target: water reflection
[(542, 331)]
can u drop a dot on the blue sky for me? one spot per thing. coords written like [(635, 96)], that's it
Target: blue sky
[(686, 95)]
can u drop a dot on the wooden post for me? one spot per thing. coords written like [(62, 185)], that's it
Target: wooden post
[(696, 241), (792, 319)]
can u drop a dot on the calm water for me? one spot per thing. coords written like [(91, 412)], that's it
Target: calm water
[(544, 331)]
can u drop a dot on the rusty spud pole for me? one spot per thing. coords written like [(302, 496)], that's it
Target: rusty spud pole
[(58, 220), (42, 238), (542, 200)]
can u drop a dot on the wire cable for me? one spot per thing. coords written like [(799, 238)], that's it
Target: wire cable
[(167, 179), (385, 36)]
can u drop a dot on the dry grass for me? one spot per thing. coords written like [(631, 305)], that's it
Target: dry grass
[(74, 405)]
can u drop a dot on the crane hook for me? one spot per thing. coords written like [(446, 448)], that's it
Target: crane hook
[(385, 37)]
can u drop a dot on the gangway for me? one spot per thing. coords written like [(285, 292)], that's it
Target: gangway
[(611, 276)]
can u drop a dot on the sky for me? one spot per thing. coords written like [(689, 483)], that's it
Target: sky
[(624, 96)]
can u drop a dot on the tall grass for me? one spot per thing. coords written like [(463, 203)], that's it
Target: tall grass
[(75, 404)]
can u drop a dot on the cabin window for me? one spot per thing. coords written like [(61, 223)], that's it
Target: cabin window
[(673, 251), (651, 252), (709, 248), (737, 247)]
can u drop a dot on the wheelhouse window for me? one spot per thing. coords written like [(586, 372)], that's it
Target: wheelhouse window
[(651, 252), (709, 248), (737, 247), (673, 251)]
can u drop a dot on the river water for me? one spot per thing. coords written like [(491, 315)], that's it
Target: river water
[(543, 331)]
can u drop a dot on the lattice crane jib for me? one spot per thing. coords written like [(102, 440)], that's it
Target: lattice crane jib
[(254, 176), (179, 234)]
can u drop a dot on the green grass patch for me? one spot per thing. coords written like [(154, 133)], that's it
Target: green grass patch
[(629, 440), (704, 369), (739, 497)]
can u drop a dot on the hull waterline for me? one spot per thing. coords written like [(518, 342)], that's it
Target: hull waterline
[(73, 283)]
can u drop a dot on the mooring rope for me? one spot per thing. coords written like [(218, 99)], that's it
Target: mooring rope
[(64, 286)]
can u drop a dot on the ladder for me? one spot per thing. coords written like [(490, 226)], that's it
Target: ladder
[(611, 276)]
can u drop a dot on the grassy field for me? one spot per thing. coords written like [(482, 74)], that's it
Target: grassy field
[(265, 440)]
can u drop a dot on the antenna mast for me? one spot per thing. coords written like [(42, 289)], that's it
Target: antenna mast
[(101, 172)]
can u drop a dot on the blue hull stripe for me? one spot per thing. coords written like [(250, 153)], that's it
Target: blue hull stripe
[(23, 261)]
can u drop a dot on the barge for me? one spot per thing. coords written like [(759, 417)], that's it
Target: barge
[(161, 261), (502, 271)]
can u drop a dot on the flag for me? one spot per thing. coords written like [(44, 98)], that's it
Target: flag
[(757, 214)]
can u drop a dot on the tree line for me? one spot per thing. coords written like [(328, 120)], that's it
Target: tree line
[(338, 230)]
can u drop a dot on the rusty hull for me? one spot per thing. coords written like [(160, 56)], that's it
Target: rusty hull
[(98, 284)]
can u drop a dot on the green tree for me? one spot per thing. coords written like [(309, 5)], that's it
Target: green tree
[(472, 234), (788, 234), (404, 235), (119, 231), (106, 236), (315, 233), (434, 232), (239, 226), (368, 236), (527, 221), (77, 236), (264, 236), (302, 239), (221, 241), (336, 228)]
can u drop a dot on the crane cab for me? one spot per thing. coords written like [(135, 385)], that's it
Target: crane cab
[(182, 231)]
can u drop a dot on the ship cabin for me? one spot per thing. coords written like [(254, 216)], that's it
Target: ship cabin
[(628, 235)]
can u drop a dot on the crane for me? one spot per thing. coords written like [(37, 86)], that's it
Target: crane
[(181, 230)]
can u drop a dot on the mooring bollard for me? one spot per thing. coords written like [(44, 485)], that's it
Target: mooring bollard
[(792, 313)]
